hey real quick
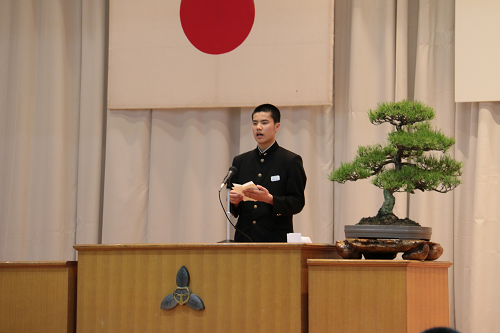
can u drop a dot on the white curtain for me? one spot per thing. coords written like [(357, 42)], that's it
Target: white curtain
[(73, 173), (164, 168), (476, 213), (52, 65)]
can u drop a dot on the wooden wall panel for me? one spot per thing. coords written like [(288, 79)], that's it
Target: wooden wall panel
[(377, 295), (37, 297)]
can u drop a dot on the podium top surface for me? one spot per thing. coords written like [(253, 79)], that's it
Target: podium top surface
[(377, 263), (203, 246), (31, 264)]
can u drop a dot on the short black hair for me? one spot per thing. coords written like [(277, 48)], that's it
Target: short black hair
[(275, 112)]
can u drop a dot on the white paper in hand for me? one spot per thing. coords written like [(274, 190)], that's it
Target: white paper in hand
[(239, 189)]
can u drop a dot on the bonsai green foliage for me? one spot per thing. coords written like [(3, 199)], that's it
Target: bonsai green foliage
[(414, 158)]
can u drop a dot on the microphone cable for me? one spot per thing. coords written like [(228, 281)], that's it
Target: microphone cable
[(229, 220)]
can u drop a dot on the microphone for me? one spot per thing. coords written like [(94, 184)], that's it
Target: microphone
[(230, 173)]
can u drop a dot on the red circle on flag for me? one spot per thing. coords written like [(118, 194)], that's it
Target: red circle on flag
[(217, 26)]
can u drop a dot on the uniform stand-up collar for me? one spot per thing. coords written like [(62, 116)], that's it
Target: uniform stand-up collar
[(271, 149)]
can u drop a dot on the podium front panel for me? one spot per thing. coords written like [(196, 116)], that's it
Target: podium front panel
[(244, 287)]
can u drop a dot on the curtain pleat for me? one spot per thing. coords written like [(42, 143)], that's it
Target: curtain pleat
[(39, 119), (477, 218), (189, 159), (126, 180), (91, 144)]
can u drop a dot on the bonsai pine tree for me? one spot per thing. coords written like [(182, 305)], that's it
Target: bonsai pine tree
[(414, 158)]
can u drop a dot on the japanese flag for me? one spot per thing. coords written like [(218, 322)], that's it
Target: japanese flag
[(219, 53)]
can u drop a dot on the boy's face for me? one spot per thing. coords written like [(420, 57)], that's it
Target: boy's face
[(264, 129)]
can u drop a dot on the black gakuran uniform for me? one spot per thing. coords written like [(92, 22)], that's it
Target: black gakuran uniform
[(282, 173)]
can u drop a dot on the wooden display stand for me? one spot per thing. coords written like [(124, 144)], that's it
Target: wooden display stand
[(244, 287), (38, 296), (377, 295)]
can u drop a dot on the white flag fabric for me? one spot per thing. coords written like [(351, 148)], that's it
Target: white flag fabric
[(219, 53)]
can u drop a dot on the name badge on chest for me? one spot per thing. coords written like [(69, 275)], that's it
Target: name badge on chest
[(275, 178)]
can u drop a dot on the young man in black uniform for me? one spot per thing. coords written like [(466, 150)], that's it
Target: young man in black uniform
[(280, 179)]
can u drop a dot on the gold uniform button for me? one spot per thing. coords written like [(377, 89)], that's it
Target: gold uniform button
[(262, 160), (255, 206), (254, 222), (259, 175)]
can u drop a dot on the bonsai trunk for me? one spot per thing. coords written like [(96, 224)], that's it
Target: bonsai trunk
[(385, 216), (388, 205), (389, 199)]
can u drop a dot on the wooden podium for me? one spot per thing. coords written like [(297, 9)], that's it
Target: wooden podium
[(38, 296), (255, 287), (377, 295)]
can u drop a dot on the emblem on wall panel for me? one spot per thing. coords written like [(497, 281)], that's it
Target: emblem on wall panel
[(182, 294)]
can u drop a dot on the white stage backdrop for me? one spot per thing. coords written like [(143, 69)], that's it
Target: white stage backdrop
[(477, 70), (219, 53)]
